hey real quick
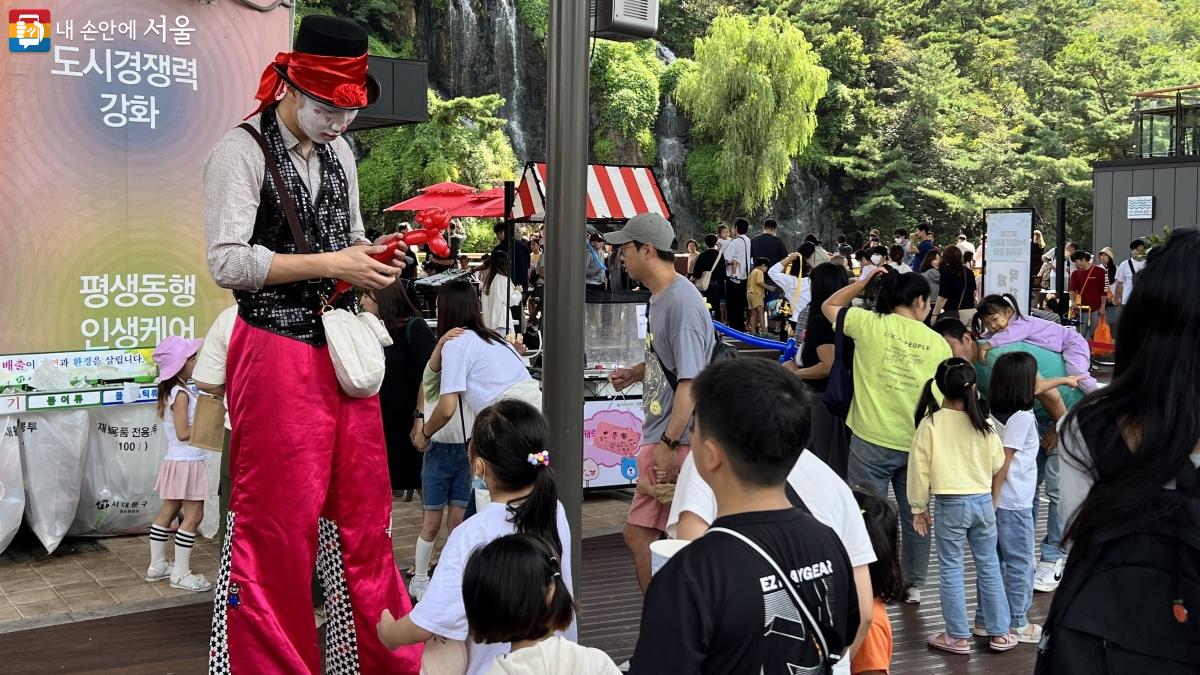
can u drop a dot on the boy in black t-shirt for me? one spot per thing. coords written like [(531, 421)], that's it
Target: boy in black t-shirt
[(718, 606)]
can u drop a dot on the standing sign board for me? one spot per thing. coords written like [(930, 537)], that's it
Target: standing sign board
[(112, 109), (1007, 250)]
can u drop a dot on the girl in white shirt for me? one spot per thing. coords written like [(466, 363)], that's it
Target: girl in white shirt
[(475, 363), (513, 591), (497, 288), (508, 449), (183, 475)]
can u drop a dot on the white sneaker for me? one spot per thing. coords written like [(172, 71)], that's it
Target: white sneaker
[(159, 571), (1048, 575), (191, 582), (912, 595), (418, 586), (624, 667)]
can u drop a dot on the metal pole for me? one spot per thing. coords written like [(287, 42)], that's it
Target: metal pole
[(566, 222), (1060, 214), (510, 238)]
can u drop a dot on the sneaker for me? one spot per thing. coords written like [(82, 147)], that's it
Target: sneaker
[(191, 582), (1031, 634), (418, 586), (319, 617), (624, 667), (1048, 575), (159, 571), (912, 595)]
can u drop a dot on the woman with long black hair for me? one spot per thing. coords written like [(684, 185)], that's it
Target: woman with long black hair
[(956, 287), (404, 362), (1130, 489), (830, 438)]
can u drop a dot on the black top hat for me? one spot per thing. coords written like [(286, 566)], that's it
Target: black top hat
[(330, 36)]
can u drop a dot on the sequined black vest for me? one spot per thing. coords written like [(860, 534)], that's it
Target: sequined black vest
[(293, 310)]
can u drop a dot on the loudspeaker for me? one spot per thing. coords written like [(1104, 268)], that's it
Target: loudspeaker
[(624, 20), (404, 94)]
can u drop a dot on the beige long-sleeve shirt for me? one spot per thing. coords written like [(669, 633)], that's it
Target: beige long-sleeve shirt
[(233, 179)]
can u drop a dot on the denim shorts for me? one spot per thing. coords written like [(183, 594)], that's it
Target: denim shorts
[(445, 477)]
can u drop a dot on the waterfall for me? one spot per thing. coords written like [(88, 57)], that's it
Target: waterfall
[(512, 82), (671, 131), (463, 27)]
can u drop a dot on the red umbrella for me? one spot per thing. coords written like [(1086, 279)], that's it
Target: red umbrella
[(486, 204), (440, 196)]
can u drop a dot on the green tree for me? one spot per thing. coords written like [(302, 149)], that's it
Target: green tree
[(625, 80), (463, 141), (752, 98)]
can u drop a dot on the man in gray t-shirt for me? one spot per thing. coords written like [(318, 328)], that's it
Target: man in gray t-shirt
[(679, 344)]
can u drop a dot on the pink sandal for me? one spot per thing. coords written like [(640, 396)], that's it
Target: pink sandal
[(1003, 643), (944, 642)]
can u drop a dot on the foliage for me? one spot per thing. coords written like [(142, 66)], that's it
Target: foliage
[(481, 236), (625, 93), (752, 98), (463, 141), (535, 14)]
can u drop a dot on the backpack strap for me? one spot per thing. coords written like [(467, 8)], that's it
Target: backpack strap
[(816, 628)]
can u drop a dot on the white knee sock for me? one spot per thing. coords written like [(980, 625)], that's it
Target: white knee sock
[(158, 544), (183, 552), (424, 553)]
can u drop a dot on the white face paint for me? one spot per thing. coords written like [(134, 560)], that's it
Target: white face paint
[(322, 123)]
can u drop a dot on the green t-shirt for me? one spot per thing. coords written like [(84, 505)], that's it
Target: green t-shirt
[(1049, 364), (893, 359)]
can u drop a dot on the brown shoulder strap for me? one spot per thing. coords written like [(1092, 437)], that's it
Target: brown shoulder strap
[(285, 197)]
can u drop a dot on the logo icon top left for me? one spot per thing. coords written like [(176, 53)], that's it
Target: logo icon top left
[(29, 30)]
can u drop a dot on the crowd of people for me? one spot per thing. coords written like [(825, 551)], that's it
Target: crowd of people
[(804, 497)]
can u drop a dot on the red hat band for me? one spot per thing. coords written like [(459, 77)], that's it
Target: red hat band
[(339, 80)]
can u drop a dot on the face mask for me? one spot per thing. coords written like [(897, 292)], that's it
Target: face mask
[(1139, 257), (898, 240), (875, 259), (322, 123)]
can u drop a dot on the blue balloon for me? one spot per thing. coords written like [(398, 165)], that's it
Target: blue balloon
[(788, 348)]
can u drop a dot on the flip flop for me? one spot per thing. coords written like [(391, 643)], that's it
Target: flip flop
[(1006, 642), (944, 642)]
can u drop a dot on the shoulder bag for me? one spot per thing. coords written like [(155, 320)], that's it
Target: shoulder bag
[(355, 342), (839, 389)]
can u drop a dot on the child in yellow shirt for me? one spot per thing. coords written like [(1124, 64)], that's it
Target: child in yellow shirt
[(955, 458), (756, 296)]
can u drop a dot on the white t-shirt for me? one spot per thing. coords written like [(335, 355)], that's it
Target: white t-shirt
[(737, 249), (1125, 276), (177, 450), (867, 268), (787, 284), (479, 370), (441, 610), (554, 656), (1021, 434), (900, 267), (823, 492)]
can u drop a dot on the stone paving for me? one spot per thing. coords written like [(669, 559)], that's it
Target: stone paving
[(40, 590)]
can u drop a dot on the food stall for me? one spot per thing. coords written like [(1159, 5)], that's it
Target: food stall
[(614, 321)]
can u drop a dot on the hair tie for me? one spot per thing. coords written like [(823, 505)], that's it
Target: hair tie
[(539, 458)]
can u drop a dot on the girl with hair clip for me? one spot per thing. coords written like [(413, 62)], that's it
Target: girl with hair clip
[(956, 459), (514, 592), (508, 450), (1001, 316)]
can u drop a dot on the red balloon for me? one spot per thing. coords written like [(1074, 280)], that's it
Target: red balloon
[(437, 245)]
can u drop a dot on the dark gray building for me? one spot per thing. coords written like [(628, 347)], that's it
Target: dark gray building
[(1159, 183)]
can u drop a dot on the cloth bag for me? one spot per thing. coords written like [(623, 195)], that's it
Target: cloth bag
[(125, 445), (12, 486), (208, 425), (52, 448), (355, 344), (839, 390)]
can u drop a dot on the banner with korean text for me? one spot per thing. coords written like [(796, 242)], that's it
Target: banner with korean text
[(112, 107)]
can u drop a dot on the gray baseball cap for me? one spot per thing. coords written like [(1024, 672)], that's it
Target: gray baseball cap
[(647, 228)]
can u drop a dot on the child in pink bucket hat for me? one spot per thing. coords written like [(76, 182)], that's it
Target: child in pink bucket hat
[(183, 475)]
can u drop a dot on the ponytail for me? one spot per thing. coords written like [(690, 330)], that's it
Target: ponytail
[(900, 290), (512, 437), (955, 378), (927, 404)]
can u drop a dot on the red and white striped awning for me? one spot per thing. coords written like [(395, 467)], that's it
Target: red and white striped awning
[(614, 193)]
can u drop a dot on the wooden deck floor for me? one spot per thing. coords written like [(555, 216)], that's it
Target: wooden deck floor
[(175, 640)]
